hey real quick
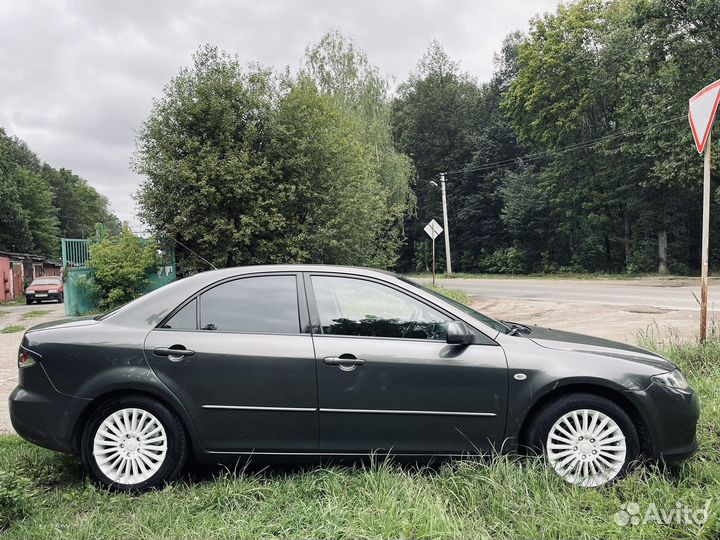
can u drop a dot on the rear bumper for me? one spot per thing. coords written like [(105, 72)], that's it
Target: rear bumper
[(43, 415), (671, 417)]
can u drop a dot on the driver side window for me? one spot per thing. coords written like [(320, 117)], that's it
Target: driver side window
[(355, 307)]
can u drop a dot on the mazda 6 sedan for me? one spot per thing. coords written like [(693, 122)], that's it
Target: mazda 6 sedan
[(305, 361)]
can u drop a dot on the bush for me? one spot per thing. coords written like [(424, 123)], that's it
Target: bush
[(120, 264), (510, 260), (16, 496)]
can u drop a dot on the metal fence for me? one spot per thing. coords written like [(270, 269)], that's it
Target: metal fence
[(75, 252)]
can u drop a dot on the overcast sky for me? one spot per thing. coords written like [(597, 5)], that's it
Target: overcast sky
[(77, 77)]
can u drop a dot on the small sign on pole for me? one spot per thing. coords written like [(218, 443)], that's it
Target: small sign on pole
[(701, 113), (433, 230)]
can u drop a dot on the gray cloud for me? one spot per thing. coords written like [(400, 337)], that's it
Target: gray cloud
[(78, 78)]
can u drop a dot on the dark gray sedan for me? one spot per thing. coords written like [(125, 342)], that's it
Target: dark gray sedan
[(302, 361)]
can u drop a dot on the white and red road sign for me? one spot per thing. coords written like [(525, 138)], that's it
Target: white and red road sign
[(702, 112)]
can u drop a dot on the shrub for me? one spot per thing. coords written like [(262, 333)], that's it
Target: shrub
[(509, 260), (120, 264), (16, 496)]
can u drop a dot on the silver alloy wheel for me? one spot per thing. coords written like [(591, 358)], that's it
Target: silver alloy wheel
[(130, 446), (586, 447)]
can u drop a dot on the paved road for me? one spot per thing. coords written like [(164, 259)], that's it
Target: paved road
[(609, 292)]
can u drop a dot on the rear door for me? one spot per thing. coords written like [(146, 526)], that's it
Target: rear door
[(387, 379), (239, 356)]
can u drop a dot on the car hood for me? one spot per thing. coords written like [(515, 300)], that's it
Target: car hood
[(570, 341), (44, 288), (63, 323)]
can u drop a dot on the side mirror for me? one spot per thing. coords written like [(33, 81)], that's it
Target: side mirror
[(458, 333)]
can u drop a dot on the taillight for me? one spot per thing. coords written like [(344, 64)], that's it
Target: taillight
[(25, 360)]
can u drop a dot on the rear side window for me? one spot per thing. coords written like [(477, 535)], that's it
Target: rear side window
[(185, 319), (263, 304)]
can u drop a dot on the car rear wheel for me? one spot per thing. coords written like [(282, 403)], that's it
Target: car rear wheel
[(588, 440), (134, 443)]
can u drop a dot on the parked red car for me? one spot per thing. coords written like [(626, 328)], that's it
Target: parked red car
[(45, 288)]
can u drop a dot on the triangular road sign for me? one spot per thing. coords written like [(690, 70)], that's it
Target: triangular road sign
[(702, 112)]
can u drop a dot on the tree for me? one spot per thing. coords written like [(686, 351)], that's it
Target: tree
[(247, 167), (39, 204), (41, 215), (120, 265), (28, 218), (340, 70), (434, 123)]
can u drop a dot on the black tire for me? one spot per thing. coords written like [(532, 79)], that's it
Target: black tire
[(550, 413), (177, 442), (28, 301), (61, 299)]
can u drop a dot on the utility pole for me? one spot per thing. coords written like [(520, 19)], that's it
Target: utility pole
[(445, 225), (705, 240)]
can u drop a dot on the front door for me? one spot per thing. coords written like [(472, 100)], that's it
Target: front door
[(388, 381), (240, 360)]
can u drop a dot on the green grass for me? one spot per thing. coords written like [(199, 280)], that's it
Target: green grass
[(455, 294), (12, 329), (35, 313), (47, 495)]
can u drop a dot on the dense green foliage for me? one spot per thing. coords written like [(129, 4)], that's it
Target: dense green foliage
[(576, 155), (120, 265), (40, 204), (246, 166), (47, 495)]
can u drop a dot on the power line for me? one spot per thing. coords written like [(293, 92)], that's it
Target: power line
[(196, 254), (562, 150), (183, 245)]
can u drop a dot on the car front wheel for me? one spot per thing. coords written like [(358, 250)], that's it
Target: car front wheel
[(588, 440), (134, 443)]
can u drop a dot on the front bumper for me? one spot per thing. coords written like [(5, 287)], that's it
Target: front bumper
[(39, 297), (671, 417), (43, 415)]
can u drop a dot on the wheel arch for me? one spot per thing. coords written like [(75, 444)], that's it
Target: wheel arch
[(112, 393), (612, 394)]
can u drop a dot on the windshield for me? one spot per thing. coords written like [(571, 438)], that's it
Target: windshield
[(46, 281), (492, 323)]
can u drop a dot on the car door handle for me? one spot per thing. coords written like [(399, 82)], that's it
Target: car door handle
[(172, 353), (346, 363)]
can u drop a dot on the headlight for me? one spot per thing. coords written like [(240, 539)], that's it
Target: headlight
[(30, 291), (52, 291), (673, 379)]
